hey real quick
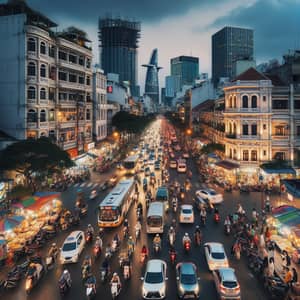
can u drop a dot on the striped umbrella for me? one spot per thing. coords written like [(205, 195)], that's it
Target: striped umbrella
[(9, 223)]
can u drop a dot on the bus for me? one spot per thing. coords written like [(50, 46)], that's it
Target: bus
[(155, 218), (162, 195), (130, 164), (114, 207)]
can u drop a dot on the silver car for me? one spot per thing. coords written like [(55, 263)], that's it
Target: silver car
[(187, 281)]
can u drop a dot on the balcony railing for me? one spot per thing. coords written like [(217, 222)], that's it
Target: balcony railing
[(280, 137), (231, 136)]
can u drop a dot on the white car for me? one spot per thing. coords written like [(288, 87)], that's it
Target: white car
[(154, 282), (211, 195), (186, 214), (181, 168), (173, 164), (215, 256), (72, 247)]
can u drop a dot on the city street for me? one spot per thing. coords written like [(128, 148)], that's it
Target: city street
[(47, 289)]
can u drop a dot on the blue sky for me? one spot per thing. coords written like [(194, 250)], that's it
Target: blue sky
[(184, 27)]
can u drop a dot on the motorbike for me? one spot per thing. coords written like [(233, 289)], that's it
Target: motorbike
[(114, 246), (143, 257), (125, 232), (103, 275), (174, 205), (187, 246), (50, 262), (126, 272), (85, 272), (276, 287), (91, 287), (172, 238), (33, 277), (97, 251), (172, 257), (217, 218), (156, 248), (108, 253), (93, 195), (88, 237), (115, 290), (227, 229), (137, 233), (83, 209), (197, 238), (63, 286)]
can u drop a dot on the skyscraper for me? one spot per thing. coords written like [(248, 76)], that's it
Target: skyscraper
[(229, 45), (186, 67), (152, 84), (118, 43)]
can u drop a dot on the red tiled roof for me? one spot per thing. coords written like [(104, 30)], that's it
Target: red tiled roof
[(250, 74), (275, 79), (204, 106)]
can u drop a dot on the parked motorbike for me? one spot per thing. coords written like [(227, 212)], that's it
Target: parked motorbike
[(115, 290)]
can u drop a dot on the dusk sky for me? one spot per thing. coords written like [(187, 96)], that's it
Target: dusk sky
[(184, 27)]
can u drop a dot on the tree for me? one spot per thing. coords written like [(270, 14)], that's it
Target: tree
[(34, 156), (212, 147)]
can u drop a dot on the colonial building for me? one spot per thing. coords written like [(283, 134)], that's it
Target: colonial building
[(45, 79)]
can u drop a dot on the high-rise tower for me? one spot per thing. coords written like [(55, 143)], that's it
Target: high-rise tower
[(151, 83), (118, 43), (229, 45)]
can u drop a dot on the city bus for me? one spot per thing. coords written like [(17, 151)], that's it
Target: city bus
[(114, 207), (130, 164), (162, 195), (155, 218)]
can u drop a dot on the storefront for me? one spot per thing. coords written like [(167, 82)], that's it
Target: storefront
[(273, 177), (227, 170)]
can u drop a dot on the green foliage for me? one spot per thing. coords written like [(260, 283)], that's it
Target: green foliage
[(32, 155), (126, 122)]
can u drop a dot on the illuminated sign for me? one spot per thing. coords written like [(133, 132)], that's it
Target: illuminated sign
[(109, 89)]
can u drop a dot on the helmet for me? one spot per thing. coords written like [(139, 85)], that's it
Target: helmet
[(87, 257), (130, 237), (89, 225), (197, 227), (32, 265), (66, 272), (171, 228), (98, 238), (115, 274), (157, 235), (53, 244), (126, 220), (186, 234)]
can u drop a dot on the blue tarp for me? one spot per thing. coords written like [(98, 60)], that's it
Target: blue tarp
[(280, 171)]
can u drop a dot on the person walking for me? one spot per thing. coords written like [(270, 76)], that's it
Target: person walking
[(295, 275), (271, 267)]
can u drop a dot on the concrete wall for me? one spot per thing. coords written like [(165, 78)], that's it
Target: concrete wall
[(203, 92)]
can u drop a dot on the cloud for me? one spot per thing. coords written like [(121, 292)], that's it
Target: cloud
[(141, 10), (275, 23)]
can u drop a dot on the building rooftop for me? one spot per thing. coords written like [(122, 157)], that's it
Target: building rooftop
[(207, 105), (250, 74)]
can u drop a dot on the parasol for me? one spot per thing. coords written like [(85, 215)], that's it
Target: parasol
[(9, 223)]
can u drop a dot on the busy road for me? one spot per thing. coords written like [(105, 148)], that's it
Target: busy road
[(47, 288)]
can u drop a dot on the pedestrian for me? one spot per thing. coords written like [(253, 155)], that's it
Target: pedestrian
[(271, 249), (271, 267), (267, 235), (262, 240), (295, 275), (288, 276), (286, 258)]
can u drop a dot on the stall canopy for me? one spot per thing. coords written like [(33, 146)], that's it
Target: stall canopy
[(289, 218), (10, 222), (280, 171), (283, 210), (228, 165)]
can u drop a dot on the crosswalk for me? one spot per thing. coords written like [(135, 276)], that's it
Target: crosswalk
[(87, 184)]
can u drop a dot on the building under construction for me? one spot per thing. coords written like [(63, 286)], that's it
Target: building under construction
[(118, 43)]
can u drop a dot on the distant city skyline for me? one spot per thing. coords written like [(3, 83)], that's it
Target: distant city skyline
[(185, 27)]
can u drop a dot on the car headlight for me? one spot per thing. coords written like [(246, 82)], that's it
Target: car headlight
[(162, 291), (181, 290), (144, 291)]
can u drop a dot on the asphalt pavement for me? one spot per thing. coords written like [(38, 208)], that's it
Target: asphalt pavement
[(47, 289)]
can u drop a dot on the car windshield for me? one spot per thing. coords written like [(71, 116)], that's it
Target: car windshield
[(69, 246), (188, 279), (154, 277), (230, 284), (217, 255), (212, 193), (186, 211)]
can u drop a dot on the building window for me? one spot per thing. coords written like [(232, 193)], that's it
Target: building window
[(88, 80), (264, 126), (31, 69), (88, 63), (88, 114), (81, 60), (52, 72), (245, 129), (253, 129), (31, 116), (73, 58), (43, 48), (264, 153), (80, 80), (279, 156), (245, 102), (63, 96), (31, 93), (264, 98), (298, 130), (245, 155), (62, 55), (254, 155), (31, 45), (52, 51), (62, 76), (72, 78), (43, 71), (43, 116), (52, 135), (234, 101), (51, 115), (254, 101), (279, 130), (88, 97), (230, 102), (43, 94)]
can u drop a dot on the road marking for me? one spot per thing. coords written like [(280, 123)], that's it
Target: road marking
[(83, 184), (251, 275), (95, 184), (76, 184), (89, 184)]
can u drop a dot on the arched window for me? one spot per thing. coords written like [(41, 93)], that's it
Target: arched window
[(43, 94), (43, 48), (31, 93), (31, 45), (43, 117), (43, 71), (230, 153), (31, 69), (254, 101), (51, 115), (43, 134), (245, 101), (234, 128), (88, 114), (31, 116), (230, 128), (254, 155), (52, 135), (230, 102), (234, 101)]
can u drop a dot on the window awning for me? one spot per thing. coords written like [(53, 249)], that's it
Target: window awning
[(227, 165), (280, 171)]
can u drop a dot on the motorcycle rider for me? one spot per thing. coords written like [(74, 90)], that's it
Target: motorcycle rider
[(138, 226), (98, 242), (174, 202), (139, 208), (65, 276), (240, 210), (172, 252), (144, 251), (130, 244), (87, 263), (90, 229), (227, 221), (171, 233), (203, 215), (157, 240), (186, 239), (197, 233), (126, 224), (105, 265), (116, 279), (53, 251), (117, 239)]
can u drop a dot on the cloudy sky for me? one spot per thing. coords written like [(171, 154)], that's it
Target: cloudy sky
[(184, 27)]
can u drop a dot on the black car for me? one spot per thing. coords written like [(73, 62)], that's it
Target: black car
[(199, 202)]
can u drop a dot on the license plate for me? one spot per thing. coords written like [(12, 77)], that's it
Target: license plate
[(189, 297)]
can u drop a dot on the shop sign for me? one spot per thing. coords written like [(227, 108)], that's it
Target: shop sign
[(91, 146), (73, 152)]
